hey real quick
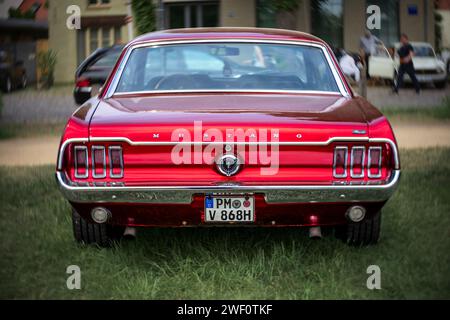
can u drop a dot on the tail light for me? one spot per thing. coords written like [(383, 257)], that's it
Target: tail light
[(363, 162), (99, 162), (357, 162), (81, 162), (82, 83), (116, 162), (374, 162), (340, 162)]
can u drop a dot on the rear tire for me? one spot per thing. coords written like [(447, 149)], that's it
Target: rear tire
[(441, 84), (86, 232), (362, 233)]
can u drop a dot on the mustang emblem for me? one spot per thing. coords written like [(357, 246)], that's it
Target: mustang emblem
[(228, 164)]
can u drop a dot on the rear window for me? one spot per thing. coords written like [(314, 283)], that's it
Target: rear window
[(227, 66), (106, 61)]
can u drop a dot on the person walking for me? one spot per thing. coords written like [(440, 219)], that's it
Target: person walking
[(406, 53), (368, 46)]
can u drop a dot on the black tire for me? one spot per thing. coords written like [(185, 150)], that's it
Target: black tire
[(23, 81), (441, 84), (8, 85), (362, 233), (86, 232)]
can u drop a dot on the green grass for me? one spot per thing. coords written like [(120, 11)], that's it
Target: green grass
[(414, 253), (27, 130), (441, 112)]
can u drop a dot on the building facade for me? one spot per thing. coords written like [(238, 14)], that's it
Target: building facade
[(443, 8), (103, 24), (339, 22)]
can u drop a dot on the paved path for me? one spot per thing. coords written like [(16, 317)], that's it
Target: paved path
[(43, 150)]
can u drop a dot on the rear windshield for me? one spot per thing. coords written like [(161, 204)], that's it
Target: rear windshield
[(227, 66)]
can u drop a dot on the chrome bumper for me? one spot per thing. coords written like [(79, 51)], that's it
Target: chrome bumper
[(273, 194)]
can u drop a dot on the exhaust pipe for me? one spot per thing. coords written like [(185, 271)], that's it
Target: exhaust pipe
[(129, 233), (315, 233)]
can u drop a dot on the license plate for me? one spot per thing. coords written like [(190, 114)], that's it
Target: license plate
[(229, 209)]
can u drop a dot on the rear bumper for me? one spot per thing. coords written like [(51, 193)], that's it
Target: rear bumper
[(272, 194)]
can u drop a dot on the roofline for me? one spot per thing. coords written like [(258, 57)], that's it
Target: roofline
[(225, 32)]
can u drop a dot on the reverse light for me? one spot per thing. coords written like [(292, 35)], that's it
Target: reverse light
[(100, 215), (356, 213)]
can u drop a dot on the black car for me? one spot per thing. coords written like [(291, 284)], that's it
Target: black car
[(93, 71), (12, 73)]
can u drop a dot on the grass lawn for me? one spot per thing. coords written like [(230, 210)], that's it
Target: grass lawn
[(36, 246), (440, 112)]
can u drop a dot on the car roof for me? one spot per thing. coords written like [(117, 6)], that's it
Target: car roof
[(225, 33)]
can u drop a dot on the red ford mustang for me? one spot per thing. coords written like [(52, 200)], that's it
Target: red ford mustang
[(219, 127)]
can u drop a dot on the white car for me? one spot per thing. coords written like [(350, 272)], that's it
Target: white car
[(429, 68)]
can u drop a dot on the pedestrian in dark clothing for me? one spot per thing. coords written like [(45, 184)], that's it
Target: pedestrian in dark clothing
[(406, 53)]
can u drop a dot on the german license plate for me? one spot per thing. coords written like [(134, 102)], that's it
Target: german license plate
[(229, 209)]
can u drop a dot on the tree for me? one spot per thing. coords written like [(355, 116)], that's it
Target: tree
[(143, 16)]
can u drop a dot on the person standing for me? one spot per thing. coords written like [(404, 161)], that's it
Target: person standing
[(368, 46), (349, 66), (406, 53)]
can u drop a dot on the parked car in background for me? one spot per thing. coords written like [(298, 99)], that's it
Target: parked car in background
[(93, 71), (429, 68), (12, 73), (182, 137)]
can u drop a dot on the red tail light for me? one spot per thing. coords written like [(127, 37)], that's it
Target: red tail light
[(340, 162), (357, 162), (115, 162), (82, 82), (101, 160), (374, 162), (364, 162), (81, 162), (98, 162)]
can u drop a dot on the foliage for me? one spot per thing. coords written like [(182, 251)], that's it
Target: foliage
[(143, 16), (286, 5), (17, 14), (439, 112), (46, 61)]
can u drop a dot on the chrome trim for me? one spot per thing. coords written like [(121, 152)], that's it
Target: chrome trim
[(369, 158), (85, 149), (102, 175), (111, 173), (362, 161), (172, 143), (156, 43), (272, 193), (344, 175)]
